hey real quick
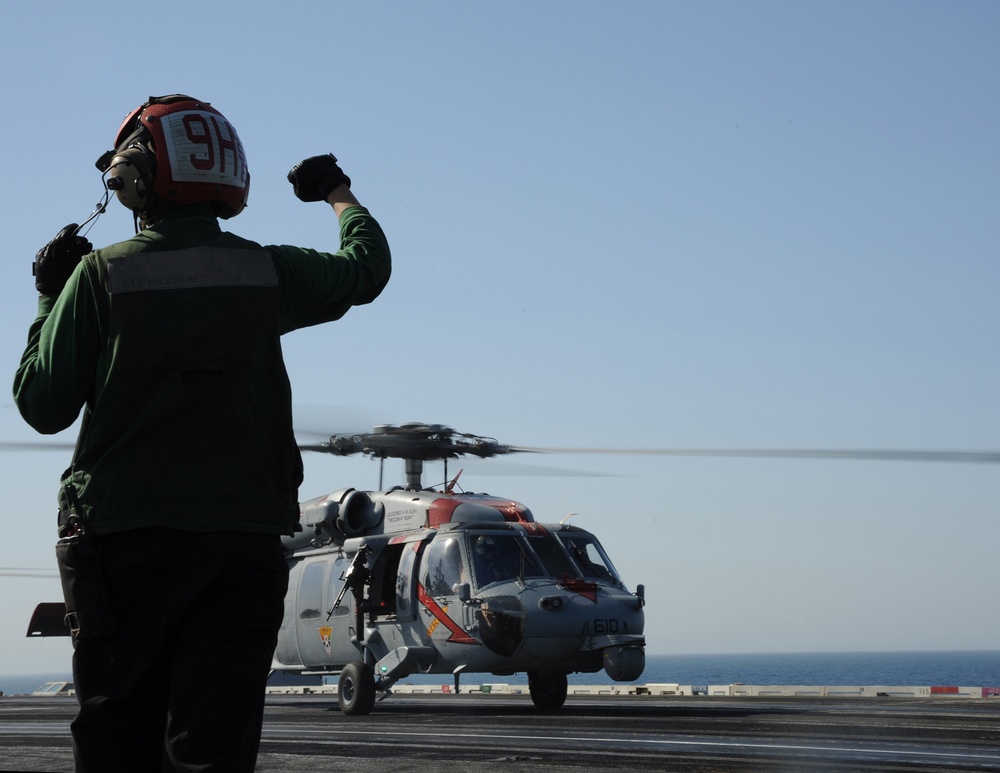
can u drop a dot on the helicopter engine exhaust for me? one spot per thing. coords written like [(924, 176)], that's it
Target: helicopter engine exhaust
[(343, 514), (356, 514)]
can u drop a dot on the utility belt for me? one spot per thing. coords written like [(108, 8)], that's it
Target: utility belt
[(88, 614)]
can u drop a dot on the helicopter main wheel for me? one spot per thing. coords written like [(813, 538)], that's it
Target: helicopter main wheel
[(548, 690), (356, 689)]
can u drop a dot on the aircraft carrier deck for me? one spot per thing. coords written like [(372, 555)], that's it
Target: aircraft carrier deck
[(500, 730)]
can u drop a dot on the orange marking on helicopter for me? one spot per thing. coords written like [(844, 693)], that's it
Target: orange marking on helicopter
[(586, 589), (326, 635), (458, 636)]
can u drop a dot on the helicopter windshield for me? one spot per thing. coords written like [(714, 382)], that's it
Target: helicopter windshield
[(552, 556), (502, 557), (590, 558)]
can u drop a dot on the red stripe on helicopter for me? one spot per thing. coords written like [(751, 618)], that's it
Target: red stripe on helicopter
[(586, 589), (442, 510), (458, 636)]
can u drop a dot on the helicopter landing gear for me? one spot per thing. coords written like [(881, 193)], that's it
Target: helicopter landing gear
[(356, 689), (548, 690)]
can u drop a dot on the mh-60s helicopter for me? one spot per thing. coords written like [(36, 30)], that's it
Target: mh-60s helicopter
[(413, 580)]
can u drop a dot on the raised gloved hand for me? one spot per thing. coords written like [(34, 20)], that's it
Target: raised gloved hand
[(57, 259), (314, 178)]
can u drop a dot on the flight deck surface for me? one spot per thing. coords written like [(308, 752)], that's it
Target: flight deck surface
[(475, 732)]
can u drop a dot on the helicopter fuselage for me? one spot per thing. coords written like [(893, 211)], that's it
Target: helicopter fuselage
[(420, 581)]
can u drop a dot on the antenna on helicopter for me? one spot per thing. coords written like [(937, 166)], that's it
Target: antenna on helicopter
[(450, 487)]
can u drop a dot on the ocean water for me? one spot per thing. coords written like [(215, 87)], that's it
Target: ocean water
[(928, 669), (959, 668)]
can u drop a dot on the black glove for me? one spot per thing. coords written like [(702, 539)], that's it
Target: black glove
[(57, 259), (314, 178)]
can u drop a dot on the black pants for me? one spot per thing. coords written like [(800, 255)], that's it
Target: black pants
[(179, 684)]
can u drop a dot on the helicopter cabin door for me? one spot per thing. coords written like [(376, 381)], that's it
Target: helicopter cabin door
[(393, 591), (319, 628)]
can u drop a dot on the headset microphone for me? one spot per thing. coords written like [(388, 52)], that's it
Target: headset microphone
[(102, 205)]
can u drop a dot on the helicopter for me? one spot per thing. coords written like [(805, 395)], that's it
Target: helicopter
[(417, 580)]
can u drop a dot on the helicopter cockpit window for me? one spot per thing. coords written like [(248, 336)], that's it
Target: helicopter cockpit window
[(502, 557), (552, 556), (442, 567), (589, 556)]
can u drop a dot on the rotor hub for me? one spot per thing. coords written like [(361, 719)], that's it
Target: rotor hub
[(416, 441)]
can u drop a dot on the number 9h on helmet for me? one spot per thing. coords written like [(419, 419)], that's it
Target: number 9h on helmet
[(181, 150)]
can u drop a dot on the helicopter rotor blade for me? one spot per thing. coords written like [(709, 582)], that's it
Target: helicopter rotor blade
[(34, 445), (432, 441), (41, 574), (316, 420), (507, 469), (893, 455), (436, 441)]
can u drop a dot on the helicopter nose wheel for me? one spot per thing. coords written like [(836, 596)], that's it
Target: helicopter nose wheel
[(548, 690), (356, 689)]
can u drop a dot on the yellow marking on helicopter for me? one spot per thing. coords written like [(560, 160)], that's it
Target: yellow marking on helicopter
[(434, 624), (326, 635)]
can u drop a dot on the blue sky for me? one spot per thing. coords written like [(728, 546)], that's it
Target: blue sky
[(689, 224)]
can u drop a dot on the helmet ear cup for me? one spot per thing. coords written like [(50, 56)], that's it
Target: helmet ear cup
[(130, 176)]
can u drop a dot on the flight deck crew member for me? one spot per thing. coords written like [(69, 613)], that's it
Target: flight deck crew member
[(186, 471)]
